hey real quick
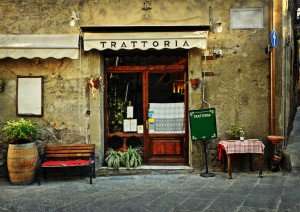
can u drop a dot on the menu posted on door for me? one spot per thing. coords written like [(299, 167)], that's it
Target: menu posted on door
[(203, 124)]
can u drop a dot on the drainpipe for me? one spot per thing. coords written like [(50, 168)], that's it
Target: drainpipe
[(272, 115)]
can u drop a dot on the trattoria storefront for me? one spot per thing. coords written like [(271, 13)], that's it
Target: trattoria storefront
[(146, 92)]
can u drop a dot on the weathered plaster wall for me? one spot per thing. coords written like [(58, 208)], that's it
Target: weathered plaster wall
[(53, 16), (64, 100), (289, 72), (239, 89)]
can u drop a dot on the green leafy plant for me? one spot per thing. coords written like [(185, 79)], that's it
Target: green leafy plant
[(131, 158), (113, 158), (117, 114), (20, 131), (235, 132)]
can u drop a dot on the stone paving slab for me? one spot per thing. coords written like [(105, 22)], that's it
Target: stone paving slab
[(276, 192)]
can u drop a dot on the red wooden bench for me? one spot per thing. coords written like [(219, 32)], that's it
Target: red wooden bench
[(68, 155)]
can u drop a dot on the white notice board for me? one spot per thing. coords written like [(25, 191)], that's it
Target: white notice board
[(29, 96), (247, 18)]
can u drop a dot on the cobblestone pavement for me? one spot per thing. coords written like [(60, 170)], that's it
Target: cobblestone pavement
[(172, 193)]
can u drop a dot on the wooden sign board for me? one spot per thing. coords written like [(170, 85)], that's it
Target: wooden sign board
[(203, 124)]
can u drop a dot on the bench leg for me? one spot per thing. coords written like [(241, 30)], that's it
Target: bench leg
[(38, 176), (91, 173), (45, 174), (94, 170)]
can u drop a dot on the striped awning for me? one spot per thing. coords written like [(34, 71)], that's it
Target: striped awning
[(39, 46), (145, 40)]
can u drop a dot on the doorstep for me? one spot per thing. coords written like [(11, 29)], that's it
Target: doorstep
[(145, 169)]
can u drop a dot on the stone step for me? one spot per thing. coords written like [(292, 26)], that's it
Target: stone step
[(293, 150), (145, 169), (294, 139)]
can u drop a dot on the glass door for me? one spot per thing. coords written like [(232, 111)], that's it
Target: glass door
[(124, 111), (166, 112)]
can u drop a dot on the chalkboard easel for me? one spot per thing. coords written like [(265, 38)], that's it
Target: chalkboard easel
[(203, 128)]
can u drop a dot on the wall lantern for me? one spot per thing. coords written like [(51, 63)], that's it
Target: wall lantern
[(2, 85), (215, 24), (74, 19), (217, 27)]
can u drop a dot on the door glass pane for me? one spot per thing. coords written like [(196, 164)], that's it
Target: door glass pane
[(166, 103), (125, 90)]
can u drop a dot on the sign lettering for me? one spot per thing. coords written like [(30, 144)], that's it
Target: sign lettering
[(145, 44)]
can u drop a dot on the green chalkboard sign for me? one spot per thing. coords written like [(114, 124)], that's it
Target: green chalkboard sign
[(203, 124)]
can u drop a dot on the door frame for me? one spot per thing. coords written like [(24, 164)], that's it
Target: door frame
[(145, 71)]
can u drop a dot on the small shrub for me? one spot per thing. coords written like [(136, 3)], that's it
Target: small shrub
[(235, 132), (20, 131)]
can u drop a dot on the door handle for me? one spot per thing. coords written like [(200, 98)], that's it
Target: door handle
[(147, 124)]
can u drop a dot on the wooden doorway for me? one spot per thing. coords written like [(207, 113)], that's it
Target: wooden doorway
[(159, 97)]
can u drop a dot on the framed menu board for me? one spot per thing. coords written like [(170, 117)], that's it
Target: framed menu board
[(29, 96), (203, 124)]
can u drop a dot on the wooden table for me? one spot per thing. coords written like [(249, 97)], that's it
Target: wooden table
[(250, 146)]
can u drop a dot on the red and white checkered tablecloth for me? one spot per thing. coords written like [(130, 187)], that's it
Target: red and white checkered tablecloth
[(237, 146)]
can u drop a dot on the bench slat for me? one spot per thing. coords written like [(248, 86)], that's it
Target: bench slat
[(68, 151), (69, 147), (68, 155), (72, 145), (57, 149)]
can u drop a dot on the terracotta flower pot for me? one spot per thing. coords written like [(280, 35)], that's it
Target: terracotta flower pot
[(195, 83), (275, 139)]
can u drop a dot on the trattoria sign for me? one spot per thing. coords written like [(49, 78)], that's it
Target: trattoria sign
[(144, 41)]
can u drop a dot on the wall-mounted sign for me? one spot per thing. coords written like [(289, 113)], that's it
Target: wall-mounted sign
[(129, 113), (29, 96), (203, 124), (247, 18), (145, 40), (129, 125), (274, 40)]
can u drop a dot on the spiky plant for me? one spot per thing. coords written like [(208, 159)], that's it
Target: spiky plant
[(131, 158), (113, 158)]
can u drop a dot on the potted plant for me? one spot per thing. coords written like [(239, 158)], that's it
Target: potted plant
[(22, 155), (194, 81), (113, 158), (117, 114), (131, 158), (236, 132)]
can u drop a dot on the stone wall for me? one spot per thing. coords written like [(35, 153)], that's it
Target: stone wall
[(64, 94), (238, 89)]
